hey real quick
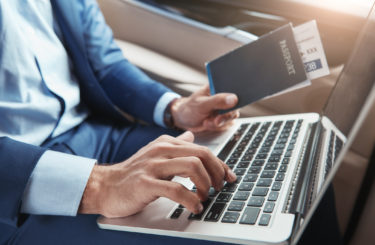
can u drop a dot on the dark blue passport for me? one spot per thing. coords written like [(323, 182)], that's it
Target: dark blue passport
[(258, 69)]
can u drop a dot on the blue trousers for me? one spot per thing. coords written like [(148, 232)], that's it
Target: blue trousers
[(108, 143)]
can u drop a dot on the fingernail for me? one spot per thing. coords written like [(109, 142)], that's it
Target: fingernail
[(230, 99), (232, 176), (200, 208), (222, 122)]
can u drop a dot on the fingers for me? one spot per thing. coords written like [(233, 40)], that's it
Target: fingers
[(229, 175), (211, 163), (204, 91), (220, 122), (182, 153), (220, 101), (191, 167), (178, 193), (186, 136)]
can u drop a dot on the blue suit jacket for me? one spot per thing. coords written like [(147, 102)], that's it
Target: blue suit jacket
[(108, 83)]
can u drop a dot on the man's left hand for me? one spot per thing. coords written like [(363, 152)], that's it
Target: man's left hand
[(199, 111)]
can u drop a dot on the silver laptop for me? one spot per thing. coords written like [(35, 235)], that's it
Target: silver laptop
[(284, 165)]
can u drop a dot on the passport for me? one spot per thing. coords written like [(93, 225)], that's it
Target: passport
[(264, 67)]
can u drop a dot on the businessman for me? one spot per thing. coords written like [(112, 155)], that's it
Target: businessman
[(64, 90)]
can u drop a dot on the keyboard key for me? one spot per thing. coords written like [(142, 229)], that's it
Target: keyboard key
[(250, 151), (264, 219), (260, 191), (232, 161), (290, 147), (235, 155), (200, 215), (270, 138), (283, 168), (256, 201), (264, 150), (286, 160), (254, 145), (240, 148), (241, 195), (229, 146), (250, 216), (254, 170), (236, 206), (268, 207), (279, 146), (273, 196), (261, 156), (292, 141), (176, 214), (277, 152), (212, 192), (229, 187), (281, 141), (288, 154), (267, 144), (271, 166), (257, 163), (215, 212), (250, 178), (274, 159), (246, 186), (264, 182), (230, 217), (238, 180), (280, 177), (268, 174), (223, 197), (231, 166), (276, 186), (240, 171), (243, 164), (247, 157)]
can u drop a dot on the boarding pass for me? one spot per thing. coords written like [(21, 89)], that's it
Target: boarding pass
[(311, 49)]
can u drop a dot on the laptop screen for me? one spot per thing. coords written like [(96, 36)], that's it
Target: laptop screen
[(355, 82)]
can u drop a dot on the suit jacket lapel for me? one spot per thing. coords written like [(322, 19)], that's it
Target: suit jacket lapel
[(68, 20), (70, 24)]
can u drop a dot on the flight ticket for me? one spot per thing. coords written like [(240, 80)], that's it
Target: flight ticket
[(311, 49)]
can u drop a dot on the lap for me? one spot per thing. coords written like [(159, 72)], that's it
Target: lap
[(83, 230), (106, 141)]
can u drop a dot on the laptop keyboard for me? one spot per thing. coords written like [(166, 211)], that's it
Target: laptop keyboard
[(334, 148), (259, 154)]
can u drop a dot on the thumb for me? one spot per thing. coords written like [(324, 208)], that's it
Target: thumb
[(220, 101), (187, 136)]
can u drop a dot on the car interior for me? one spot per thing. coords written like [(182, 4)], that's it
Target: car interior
[(172, 40)]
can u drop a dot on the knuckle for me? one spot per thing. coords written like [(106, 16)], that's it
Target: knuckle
[(204, 151), (160, 147), (195, 163), (164, 137), (143, 180), (176, 190)]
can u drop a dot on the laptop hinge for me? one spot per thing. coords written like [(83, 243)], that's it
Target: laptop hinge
[(304, 184)]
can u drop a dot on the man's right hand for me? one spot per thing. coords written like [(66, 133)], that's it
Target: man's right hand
[(124, 189)]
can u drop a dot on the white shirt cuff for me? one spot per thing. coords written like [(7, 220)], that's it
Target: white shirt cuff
[(56, 184), (161, 105)]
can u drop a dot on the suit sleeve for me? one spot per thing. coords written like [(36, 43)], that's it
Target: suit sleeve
[(128, 87), (17, 161)]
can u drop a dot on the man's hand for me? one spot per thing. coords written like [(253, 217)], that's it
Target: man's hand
[(126, 188), (198, 112)]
